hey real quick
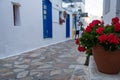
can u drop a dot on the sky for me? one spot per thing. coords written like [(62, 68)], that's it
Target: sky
[(94, 7)]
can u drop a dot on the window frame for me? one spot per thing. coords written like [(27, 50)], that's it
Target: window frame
[(16, 14)]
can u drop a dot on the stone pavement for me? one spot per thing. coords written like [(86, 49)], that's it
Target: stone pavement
[(60, 61)]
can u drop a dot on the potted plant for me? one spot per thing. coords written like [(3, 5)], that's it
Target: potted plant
[(64, 14), (104, 43)]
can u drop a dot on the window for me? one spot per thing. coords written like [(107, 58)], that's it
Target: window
[(16, 14)]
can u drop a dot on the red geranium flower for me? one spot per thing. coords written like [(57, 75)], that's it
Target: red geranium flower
[(100, 30), (117, 27), (115, 20), (96, 33), (96, 22), (81, 49), (77, 41), (91, 25), (102, 38), (113, 39), (88, 29)]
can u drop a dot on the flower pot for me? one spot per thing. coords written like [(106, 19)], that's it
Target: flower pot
[(106, 61)]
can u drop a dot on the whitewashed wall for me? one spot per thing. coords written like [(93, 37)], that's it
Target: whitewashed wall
[(107, 17), (29, 35)]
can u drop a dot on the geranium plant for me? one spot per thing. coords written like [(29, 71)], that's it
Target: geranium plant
[(96, 33)]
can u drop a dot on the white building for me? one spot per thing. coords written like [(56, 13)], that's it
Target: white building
[(26, 25), (78, 9), (111, 8)]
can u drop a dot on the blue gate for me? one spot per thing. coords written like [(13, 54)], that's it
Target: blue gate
[(47, 18), (68, 26)]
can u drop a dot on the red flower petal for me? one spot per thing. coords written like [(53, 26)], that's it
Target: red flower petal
[(100, 30), (77, 41), (81, 49), (115, 20), (117, 27), (102, 38)]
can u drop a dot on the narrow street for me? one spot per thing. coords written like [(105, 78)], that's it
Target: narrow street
[(60, 61)]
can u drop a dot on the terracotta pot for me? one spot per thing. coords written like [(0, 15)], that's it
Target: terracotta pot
[(107, 62)]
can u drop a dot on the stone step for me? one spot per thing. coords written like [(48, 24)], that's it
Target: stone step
[(94, 74)]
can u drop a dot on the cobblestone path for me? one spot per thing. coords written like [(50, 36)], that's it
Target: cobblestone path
[(60, 61)]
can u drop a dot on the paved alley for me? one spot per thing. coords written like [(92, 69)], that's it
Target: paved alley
[(59, 61)]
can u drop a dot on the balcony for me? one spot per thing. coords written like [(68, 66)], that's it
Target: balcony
[(70, 1)]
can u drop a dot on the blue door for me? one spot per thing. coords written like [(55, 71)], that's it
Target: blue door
[(47, 19), (68, 26)]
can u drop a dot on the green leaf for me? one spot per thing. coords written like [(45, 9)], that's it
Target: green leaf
[(109, 29)]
